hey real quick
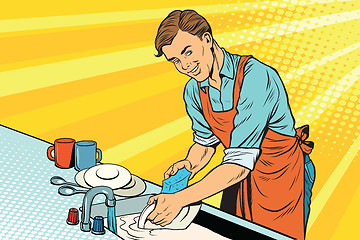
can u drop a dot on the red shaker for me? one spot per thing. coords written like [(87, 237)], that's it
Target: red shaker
[(73, 217)]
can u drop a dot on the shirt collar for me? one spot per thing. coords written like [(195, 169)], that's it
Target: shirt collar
[(227, 69)]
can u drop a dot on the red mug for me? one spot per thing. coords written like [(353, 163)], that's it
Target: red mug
[(63, 148)]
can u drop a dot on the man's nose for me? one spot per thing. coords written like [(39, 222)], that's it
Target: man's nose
[(185, 66)]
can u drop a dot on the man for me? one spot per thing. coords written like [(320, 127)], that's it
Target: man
[(242, 103)]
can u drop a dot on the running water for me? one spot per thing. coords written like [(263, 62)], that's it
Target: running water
[(112, 220)]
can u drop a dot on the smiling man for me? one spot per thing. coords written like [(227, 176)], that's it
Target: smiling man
[(242, 103)]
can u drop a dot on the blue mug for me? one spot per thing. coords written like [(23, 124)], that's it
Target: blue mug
[(85, 155)]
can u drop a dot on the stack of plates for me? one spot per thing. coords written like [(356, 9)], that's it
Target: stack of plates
[(118, 178)]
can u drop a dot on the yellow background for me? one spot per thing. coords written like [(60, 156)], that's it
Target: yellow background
[(86, 70)]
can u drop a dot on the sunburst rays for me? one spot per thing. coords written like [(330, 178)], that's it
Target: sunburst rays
[(89, 75)]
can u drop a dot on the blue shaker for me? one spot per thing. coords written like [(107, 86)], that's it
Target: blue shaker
[(98, 226), (85, 154)]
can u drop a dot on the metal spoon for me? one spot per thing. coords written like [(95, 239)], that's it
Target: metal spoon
[(57, 180), (68, 191)]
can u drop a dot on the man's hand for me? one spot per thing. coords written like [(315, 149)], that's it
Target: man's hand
[(177, 166), (167, 208)]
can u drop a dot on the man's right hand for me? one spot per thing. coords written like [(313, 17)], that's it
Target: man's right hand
[(179, 165)]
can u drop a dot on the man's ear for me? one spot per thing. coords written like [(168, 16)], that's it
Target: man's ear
[(207, 37)]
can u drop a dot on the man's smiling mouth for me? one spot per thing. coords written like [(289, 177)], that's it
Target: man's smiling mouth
[(195, 68)]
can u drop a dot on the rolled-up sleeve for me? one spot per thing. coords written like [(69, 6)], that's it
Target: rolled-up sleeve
[(211, 141), (258, 99), (245, 157), (202, 131)]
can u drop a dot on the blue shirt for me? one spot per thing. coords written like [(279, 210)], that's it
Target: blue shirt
[(263, 103)]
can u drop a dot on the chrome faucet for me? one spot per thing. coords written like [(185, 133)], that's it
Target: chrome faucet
[(85, 224)]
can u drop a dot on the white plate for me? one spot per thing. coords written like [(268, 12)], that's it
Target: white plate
[(138, 185), (110, 175), (144, 214), (181, 221)]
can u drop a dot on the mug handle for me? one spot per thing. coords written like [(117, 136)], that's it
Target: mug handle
[(100, 155), (49, 150)]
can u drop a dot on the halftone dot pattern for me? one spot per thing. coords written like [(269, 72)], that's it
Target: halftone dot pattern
[(30, 207), (340, 127), (267, 13), (327, 91), (313, 82)]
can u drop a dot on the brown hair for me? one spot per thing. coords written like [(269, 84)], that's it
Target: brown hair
[(187, 21)]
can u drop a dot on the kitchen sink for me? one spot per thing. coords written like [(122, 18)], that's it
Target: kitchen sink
[(226, 225)]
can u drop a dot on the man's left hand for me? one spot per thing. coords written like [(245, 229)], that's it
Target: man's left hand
[(167, 208)]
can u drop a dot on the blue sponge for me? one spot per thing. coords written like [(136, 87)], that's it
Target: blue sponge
[(177, 182)]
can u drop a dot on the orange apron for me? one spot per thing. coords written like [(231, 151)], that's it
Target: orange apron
[(273, 193)]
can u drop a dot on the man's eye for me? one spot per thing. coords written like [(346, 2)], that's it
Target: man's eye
[(189, 53), (177, 61)]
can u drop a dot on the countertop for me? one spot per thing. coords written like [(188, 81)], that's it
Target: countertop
[(31, 208)]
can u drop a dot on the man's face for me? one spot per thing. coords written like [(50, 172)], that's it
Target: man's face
[(191, 55)]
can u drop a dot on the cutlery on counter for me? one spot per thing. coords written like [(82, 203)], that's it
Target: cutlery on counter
[(57, 180), (68, 191)]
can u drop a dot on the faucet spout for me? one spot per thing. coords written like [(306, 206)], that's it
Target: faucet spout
[(85, 224)]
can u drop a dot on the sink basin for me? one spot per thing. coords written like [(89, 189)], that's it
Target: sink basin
[(127, 212), (214, 221)]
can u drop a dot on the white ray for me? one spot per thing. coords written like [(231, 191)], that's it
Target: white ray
[(25, 24)]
